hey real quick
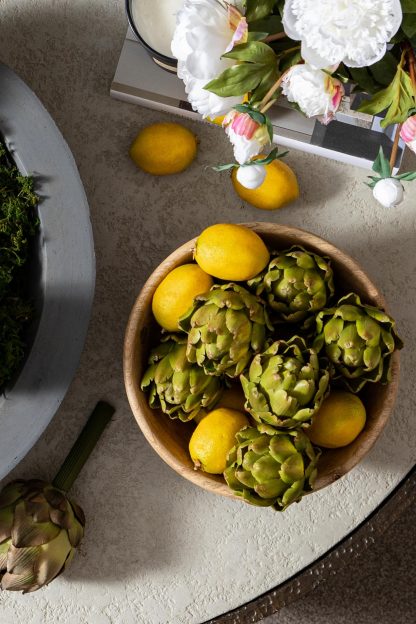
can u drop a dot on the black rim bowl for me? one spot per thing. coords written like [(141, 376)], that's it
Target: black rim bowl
[(159, 58)]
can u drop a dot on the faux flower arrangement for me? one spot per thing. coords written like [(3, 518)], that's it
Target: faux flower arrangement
[(236, 59)]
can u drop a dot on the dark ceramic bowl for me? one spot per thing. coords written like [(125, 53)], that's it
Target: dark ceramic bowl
[(166, 62)]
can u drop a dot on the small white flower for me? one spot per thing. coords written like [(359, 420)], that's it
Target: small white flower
[(388, 192), (315, 92), (355, 32), (201, 37), (251, 177)]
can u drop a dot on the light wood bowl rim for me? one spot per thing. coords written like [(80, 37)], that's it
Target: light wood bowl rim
[(138, 399)]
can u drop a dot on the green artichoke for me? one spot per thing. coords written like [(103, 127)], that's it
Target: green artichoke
[(177, 386), (359, 340), (271, 468), (297, 283), (286, 384), (225, 327), (40, 529)]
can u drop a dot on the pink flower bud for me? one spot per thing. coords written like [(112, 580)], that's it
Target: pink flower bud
[(244, 125), (408, 133)]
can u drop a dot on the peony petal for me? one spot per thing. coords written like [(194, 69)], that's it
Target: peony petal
[(289, 22), (367, 61), (314, 59)]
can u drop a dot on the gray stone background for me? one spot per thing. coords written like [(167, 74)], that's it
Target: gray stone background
[(67, 51)]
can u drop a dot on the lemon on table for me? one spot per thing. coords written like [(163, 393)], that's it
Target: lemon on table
[(279, 188), (214, 437), (338, 421), (231, 252), (164, 148), (176, 292)]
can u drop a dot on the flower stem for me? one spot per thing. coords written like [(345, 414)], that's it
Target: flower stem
[(270, 93), (83, 446), (268, 105), (393, 155), (275, 37)]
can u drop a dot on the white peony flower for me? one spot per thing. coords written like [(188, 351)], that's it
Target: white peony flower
[(388, 192), (202, 35), (408, 133), (354, 32), (315, 92), (251, 177)]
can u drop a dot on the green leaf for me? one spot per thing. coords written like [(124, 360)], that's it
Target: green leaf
[(225, 167), (271, 25), (256, 115), (384, 70), (237, 80), (274, 155), (409, 24), (267, 81), (269, 129), (407, 177), (362, 77), (256, 36), (397, 98), (290, 59), (253, 52), (408, 6), (381, 165), (258, 9)]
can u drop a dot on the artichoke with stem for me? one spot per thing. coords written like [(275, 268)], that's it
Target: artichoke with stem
[(40, 527), (285, 385), (359, 340), (296, 284), (225, 328), (268, 467), (181, 389)]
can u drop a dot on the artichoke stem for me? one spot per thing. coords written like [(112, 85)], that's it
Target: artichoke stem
[(83, 446)]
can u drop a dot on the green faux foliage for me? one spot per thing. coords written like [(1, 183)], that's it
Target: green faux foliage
[(256, 71), (382, 167), (397, 99), (258, 9), (18, 225), (274, 155)]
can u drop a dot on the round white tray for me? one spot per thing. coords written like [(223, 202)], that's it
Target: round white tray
[(67, 269)]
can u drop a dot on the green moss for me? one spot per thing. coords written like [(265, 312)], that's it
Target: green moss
[(18, 225)]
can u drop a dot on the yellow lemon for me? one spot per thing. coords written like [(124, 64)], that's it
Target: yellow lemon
[(338, 421), (214, 437), (280, 187), (164, 148), (231, 252), (176, 292)]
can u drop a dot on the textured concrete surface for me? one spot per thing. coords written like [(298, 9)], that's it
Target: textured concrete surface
[(157, 549)]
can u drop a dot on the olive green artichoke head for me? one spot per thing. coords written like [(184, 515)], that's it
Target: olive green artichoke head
[(268, 467), (40, 528), (225, 327), (297, 283), (359, 340), (179, 387), (286, 384)]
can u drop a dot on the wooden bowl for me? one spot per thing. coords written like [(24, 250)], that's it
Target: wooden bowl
[(170, 438)]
